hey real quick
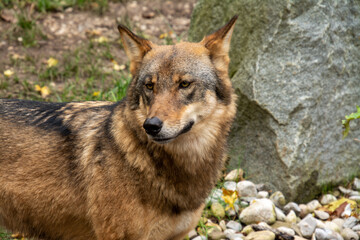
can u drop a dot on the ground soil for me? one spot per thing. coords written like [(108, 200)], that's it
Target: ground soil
[(67, 29)]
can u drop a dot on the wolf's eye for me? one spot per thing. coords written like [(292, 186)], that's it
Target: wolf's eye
[(184, 84), (149, 86)]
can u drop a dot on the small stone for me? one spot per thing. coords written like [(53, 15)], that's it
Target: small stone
[(246, 230), (215, 196), (280, 216), (215, 235), (332, 226), (264, 225), (350, 222), (314, 204), (349, 234), (291, 217), (234, 175), (356, 228), (200, 238), (235, 236), (222, 224), (320, 224), (339, 221), (354, 193), (307, 226), (299, 238), (345, 190), (246, 189), (214, 227), (217, 210), (192, 234), (286, 230), (262, 194), (356, 185), (278, 224), (278, 199), (321, 215), (229, 231), (292, 206), (234, 225), (327, 198), (326, 234), (230, 185), (355, 198), (304, 210), (248, 199), (261, 235), (244, 204), (260, 210)]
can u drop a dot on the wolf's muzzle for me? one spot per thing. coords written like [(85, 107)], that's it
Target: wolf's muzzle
[(153, 126)]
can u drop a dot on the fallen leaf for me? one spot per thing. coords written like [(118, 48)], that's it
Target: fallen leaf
[(101, 39), (44, 91), (16, 56), (8, 73), (117, 67), (92, 33), (163, 35), (52, 62)]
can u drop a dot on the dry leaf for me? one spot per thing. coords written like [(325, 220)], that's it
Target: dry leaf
[(52, 62), (101, 39), (92, 33), (44, 91), (229, 198), (8, 73)]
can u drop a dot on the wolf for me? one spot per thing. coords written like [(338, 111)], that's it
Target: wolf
[(139, 168)]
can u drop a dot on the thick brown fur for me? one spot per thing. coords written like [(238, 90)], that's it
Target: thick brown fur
[(89, 170)]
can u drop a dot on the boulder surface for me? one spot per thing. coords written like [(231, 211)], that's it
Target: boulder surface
[(295, 66)]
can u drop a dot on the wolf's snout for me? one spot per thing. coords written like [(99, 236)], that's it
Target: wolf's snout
[(153, 126)]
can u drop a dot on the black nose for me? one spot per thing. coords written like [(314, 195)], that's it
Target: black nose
[(152, 126)]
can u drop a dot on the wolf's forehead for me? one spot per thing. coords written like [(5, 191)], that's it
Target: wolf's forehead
[(164, 61)]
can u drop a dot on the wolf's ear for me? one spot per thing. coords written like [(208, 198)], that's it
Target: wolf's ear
[(135, 47), (218, 44)]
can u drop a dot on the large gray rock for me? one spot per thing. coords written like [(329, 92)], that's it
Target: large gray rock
[(295, 67)]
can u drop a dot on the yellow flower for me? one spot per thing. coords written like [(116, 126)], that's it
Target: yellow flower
[(101, 39), (229, 197), (163, 35), (52, 62), (8, 73), (44, 91), (117, 67), (95, 94)]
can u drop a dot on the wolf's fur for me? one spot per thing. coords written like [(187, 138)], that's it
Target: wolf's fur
[(88, 170)]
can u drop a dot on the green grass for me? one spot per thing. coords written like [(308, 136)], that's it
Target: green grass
[(4, 235), (85, 73), (44, 6)]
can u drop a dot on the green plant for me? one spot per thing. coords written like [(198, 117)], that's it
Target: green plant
[(346, 122)]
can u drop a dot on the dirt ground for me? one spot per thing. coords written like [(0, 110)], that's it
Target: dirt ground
[(67, 29), (63, 31)]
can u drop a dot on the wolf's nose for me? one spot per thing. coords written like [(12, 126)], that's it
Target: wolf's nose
[(152, 126)]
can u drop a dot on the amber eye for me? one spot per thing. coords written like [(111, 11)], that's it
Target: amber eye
[(149, 86), (184, 84)]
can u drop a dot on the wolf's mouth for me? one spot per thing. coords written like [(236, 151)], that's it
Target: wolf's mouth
[(187, 128)]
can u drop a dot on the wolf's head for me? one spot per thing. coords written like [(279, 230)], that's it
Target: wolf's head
[(177, 88)]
